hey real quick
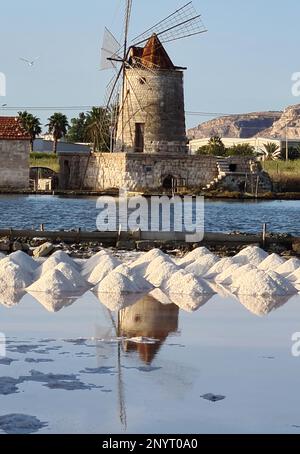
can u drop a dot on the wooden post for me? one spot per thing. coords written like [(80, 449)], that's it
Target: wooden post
[(264, 235)]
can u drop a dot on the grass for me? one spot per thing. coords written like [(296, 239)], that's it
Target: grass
[(49, 160), (285, 174)]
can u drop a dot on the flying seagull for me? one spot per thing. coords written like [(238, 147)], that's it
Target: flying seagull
[(29, 62)]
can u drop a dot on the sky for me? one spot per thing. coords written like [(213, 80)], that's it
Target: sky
[(244, 63)]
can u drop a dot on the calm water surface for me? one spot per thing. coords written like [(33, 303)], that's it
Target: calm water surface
[(220, 216), (105, 383)]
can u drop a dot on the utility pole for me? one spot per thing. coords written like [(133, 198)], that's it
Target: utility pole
[(127, 21), (286, 143)]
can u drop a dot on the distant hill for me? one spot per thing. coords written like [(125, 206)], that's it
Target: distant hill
[(264, 124)]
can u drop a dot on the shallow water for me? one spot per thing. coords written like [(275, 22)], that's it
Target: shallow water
[(220, 216), (151, 368)]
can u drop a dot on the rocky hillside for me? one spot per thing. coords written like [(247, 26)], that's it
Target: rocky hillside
[(288, 124), (239, 126)]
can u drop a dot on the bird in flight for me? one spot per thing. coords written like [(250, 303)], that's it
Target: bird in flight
[(29, 62)]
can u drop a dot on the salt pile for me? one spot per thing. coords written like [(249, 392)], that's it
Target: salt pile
[(93, 262), (194, 255), (160, 270), (13, 275), (201, 266), (254, 255), (222, 265), (184, 283), (107, 263), (272, 262), (288, 267), (52, 262), (62, 279), (257, 282), (23, 260), (225, 278), (142, 263), (123, 280)]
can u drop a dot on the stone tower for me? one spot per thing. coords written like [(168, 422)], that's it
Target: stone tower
[(151, 113)]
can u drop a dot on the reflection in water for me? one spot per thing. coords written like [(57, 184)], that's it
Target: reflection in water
[(11, 297), (54, 302), (147, 319), (262, 305)]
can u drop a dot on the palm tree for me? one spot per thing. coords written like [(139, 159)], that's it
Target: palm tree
[(58, 126), (271, 152), (98, 124), (216, 147), (32, 126)]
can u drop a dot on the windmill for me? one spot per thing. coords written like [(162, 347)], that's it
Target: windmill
[(134, 96)]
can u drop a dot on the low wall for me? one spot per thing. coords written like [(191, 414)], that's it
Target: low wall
[(140, 172)]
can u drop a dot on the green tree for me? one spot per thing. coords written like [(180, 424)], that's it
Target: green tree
[(214, 147), (32, 126), (243, 149), (98, 122), (77, 130), (58, 126)]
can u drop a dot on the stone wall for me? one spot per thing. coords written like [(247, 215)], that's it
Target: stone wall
[(145, 172), (14, 164)]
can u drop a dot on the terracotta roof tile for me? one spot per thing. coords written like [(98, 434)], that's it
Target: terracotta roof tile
[(11, 129)]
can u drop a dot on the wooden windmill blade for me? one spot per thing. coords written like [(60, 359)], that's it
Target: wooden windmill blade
[(184, 22)]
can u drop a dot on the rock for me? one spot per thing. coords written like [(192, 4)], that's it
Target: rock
[(126, 245), (44, 250), (35, 242), (5, 245), (296, 246), (17, 246)]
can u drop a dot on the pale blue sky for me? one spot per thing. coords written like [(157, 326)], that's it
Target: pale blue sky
[(244, 63)]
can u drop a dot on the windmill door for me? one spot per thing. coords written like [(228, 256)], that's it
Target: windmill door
[(139, 142)]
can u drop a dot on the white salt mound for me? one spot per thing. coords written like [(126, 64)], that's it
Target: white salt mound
[(240, 273), (201, 266), (23, 260), (52, 282), (283, 282), (194, 255), (225, 278), (254, 255), (123, 280), (258, 282), (53, 261), (288, 267), (13, 275), (93, 262), (184, 283), (106, 264), (271, 263), (142, 262), (159, 271), (221, 266), (73, 276)]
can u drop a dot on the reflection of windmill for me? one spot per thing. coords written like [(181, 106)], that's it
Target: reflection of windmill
[(145, 82)]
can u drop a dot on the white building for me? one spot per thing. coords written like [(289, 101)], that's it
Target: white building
[(256, 142)]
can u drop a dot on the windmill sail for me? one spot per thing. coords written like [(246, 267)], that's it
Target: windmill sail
[(183, 23), (109, 50)]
